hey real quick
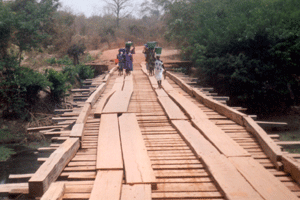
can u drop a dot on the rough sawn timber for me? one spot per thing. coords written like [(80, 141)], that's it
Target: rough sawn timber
[(118, 103), (109, 154), (108, 185), (234, 185), (263, 181), (52, 167), (137, 163), (55, 192)]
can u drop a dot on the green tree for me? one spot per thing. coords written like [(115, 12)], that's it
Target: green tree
[(32, 18), (246, 49)]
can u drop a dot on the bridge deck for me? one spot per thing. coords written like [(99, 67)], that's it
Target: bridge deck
[(186, 159)]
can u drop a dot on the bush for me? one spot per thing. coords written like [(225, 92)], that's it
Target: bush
[(65, 61), (71, 72), (19, 87), (58, 85), (51, 61), (85, 72)]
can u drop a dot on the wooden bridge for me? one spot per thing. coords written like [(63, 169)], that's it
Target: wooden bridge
[(132, 141)]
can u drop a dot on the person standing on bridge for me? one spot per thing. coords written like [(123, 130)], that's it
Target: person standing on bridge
[(128, 62), (121, 60), (158, 71)]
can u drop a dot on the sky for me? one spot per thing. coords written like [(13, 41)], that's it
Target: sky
[(89, 7)]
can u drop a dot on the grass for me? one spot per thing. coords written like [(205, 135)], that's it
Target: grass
[(5, 153)]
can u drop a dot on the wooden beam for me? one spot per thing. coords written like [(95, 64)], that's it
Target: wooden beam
[(77, 131), (55, 191), (181, 83), (291, 166), (109, 154), (268, 186), (52, 167), (107, 185), (84, 113), (137, 163), (272, 150), (96, 94)]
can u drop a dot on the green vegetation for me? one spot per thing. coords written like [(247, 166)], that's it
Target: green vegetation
[(248, 50), (5, 153)]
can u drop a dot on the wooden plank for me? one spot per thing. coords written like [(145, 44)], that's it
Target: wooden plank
[(128, 84), (289, 144), (272, 150), (77, 131), (136, 192), (234, 185), (195, 140), (190, 108), (55, 191), (107, 185), (167, 86), (7, 188), (52, 167), (219, 138), (268, 186), (188, 195), (207, 152), (187, 187), (136, 160), (188, 173), (215, 105), (20, 176), (161, 93), (96, 94), (76, 196), (103, 101), (118, 103), (35, 129), (109, 154), (171, 109)]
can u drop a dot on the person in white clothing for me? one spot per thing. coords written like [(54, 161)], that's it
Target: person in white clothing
[(158, 70)]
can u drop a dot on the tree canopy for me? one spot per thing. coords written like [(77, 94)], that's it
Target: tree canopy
[(246, 49)]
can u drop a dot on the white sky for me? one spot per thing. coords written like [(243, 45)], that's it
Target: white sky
[(91, 7)]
